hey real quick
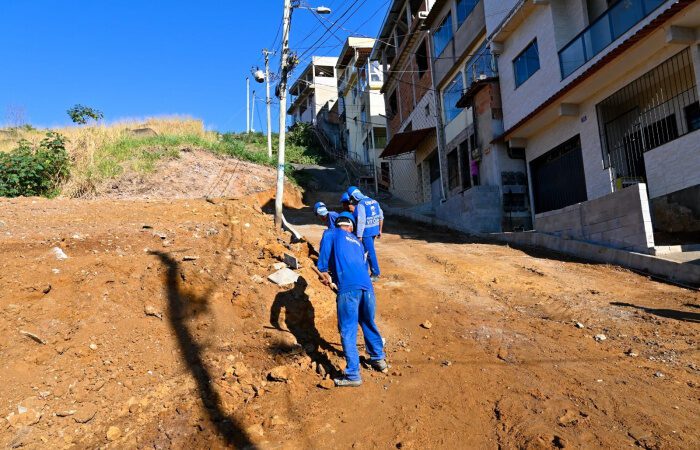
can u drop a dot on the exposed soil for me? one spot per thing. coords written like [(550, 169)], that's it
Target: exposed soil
[(160, 330), (195, 174)]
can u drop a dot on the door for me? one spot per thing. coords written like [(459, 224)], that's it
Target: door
[(558, 179), (435, 190)]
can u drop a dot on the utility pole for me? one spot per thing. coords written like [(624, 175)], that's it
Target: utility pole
[(252, 114), (279, 195), (267, 54), (247, 105)]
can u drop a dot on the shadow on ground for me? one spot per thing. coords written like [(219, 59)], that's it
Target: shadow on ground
[(684, 316), (300, 321), (183, 305)]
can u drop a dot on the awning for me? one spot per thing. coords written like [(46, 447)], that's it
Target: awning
[(406, 142)]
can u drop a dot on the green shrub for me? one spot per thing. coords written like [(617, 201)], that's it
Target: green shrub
[(28, 171), (302, 135)]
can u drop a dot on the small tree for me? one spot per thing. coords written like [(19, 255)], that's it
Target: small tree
[(81, 114)]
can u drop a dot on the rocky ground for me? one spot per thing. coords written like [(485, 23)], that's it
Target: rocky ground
[(154, 326)]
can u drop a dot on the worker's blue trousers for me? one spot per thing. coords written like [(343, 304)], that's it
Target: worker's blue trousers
[(368, 244), (357, 307)]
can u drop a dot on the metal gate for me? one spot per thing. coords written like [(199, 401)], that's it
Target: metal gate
[(558, 179)]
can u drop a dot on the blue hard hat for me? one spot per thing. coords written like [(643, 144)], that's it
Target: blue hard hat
[(344, 216), (354, 192), (320, 209), (345, 198)]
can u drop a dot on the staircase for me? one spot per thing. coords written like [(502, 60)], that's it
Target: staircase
[(360, 175)]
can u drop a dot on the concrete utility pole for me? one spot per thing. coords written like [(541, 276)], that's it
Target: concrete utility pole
[(247, 105), (279, 196), (252, 114), (268, 102)]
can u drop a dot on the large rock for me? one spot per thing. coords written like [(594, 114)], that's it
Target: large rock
[(284, 277), (279, 373)]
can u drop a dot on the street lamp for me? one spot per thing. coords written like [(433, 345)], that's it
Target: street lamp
[(284, 72)]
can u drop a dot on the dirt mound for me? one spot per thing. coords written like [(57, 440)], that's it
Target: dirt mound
[(195, 174), (151, 323)]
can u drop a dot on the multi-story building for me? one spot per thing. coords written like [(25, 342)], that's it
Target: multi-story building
[(361, 106), (484, 183), (601, 96), (313, 89), (411, 168)]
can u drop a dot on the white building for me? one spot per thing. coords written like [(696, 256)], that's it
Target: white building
[(361, 105), (313, 89), (603, 95)]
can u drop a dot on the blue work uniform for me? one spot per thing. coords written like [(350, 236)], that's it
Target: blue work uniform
[(368, 214), (343, 256), (332, 215)]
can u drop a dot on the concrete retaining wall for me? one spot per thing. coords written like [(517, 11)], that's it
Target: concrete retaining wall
[(476, 210), (684, 273), (621, 219)]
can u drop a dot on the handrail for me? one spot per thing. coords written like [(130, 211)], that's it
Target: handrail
[(625, 10)]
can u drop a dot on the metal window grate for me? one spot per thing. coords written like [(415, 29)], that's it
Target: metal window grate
[(656, 108)]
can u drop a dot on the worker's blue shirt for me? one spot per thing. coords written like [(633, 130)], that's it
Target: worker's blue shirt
[(368, 214), (332, 215), (343, 256)]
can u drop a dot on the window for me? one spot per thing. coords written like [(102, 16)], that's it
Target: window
[(375, 72), (464, 8), (526, 63), (464, 152), (443, 35), (452, 170), (363, 114), (323, 71), (654, 109), (451, 96), (692, 116), (422, 58), (379, 137), (386, 174), (362, 78), (480, 66), (393, 105), (402, 27)]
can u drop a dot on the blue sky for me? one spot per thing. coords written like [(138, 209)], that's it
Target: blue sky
[(137, 58)]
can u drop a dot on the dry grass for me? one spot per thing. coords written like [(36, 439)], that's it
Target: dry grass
[(104, 151)]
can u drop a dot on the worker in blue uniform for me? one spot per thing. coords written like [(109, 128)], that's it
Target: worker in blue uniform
[(370, 222), (342, 261), (345, 203), (326, 217)]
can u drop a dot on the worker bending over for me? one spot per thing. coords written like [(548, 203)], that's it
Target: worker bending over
[(342, 255), (326, 217)]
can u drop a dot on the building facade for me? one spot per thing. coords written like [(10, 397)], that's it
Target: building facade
[(314, 89), (411, 166), (485, 184), (361, 108), (602, 96)]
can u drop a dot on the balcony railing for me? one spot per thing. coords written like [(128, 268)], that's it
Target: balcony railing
[(481, 66), (605, 30)]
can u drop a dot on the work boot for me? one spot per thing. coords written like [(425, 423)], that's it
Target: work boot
[(346, 382), (379, 365)]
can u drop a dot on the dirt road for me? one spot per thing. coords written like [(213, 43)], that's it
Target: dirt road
[(160, 330), (524, 350)]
